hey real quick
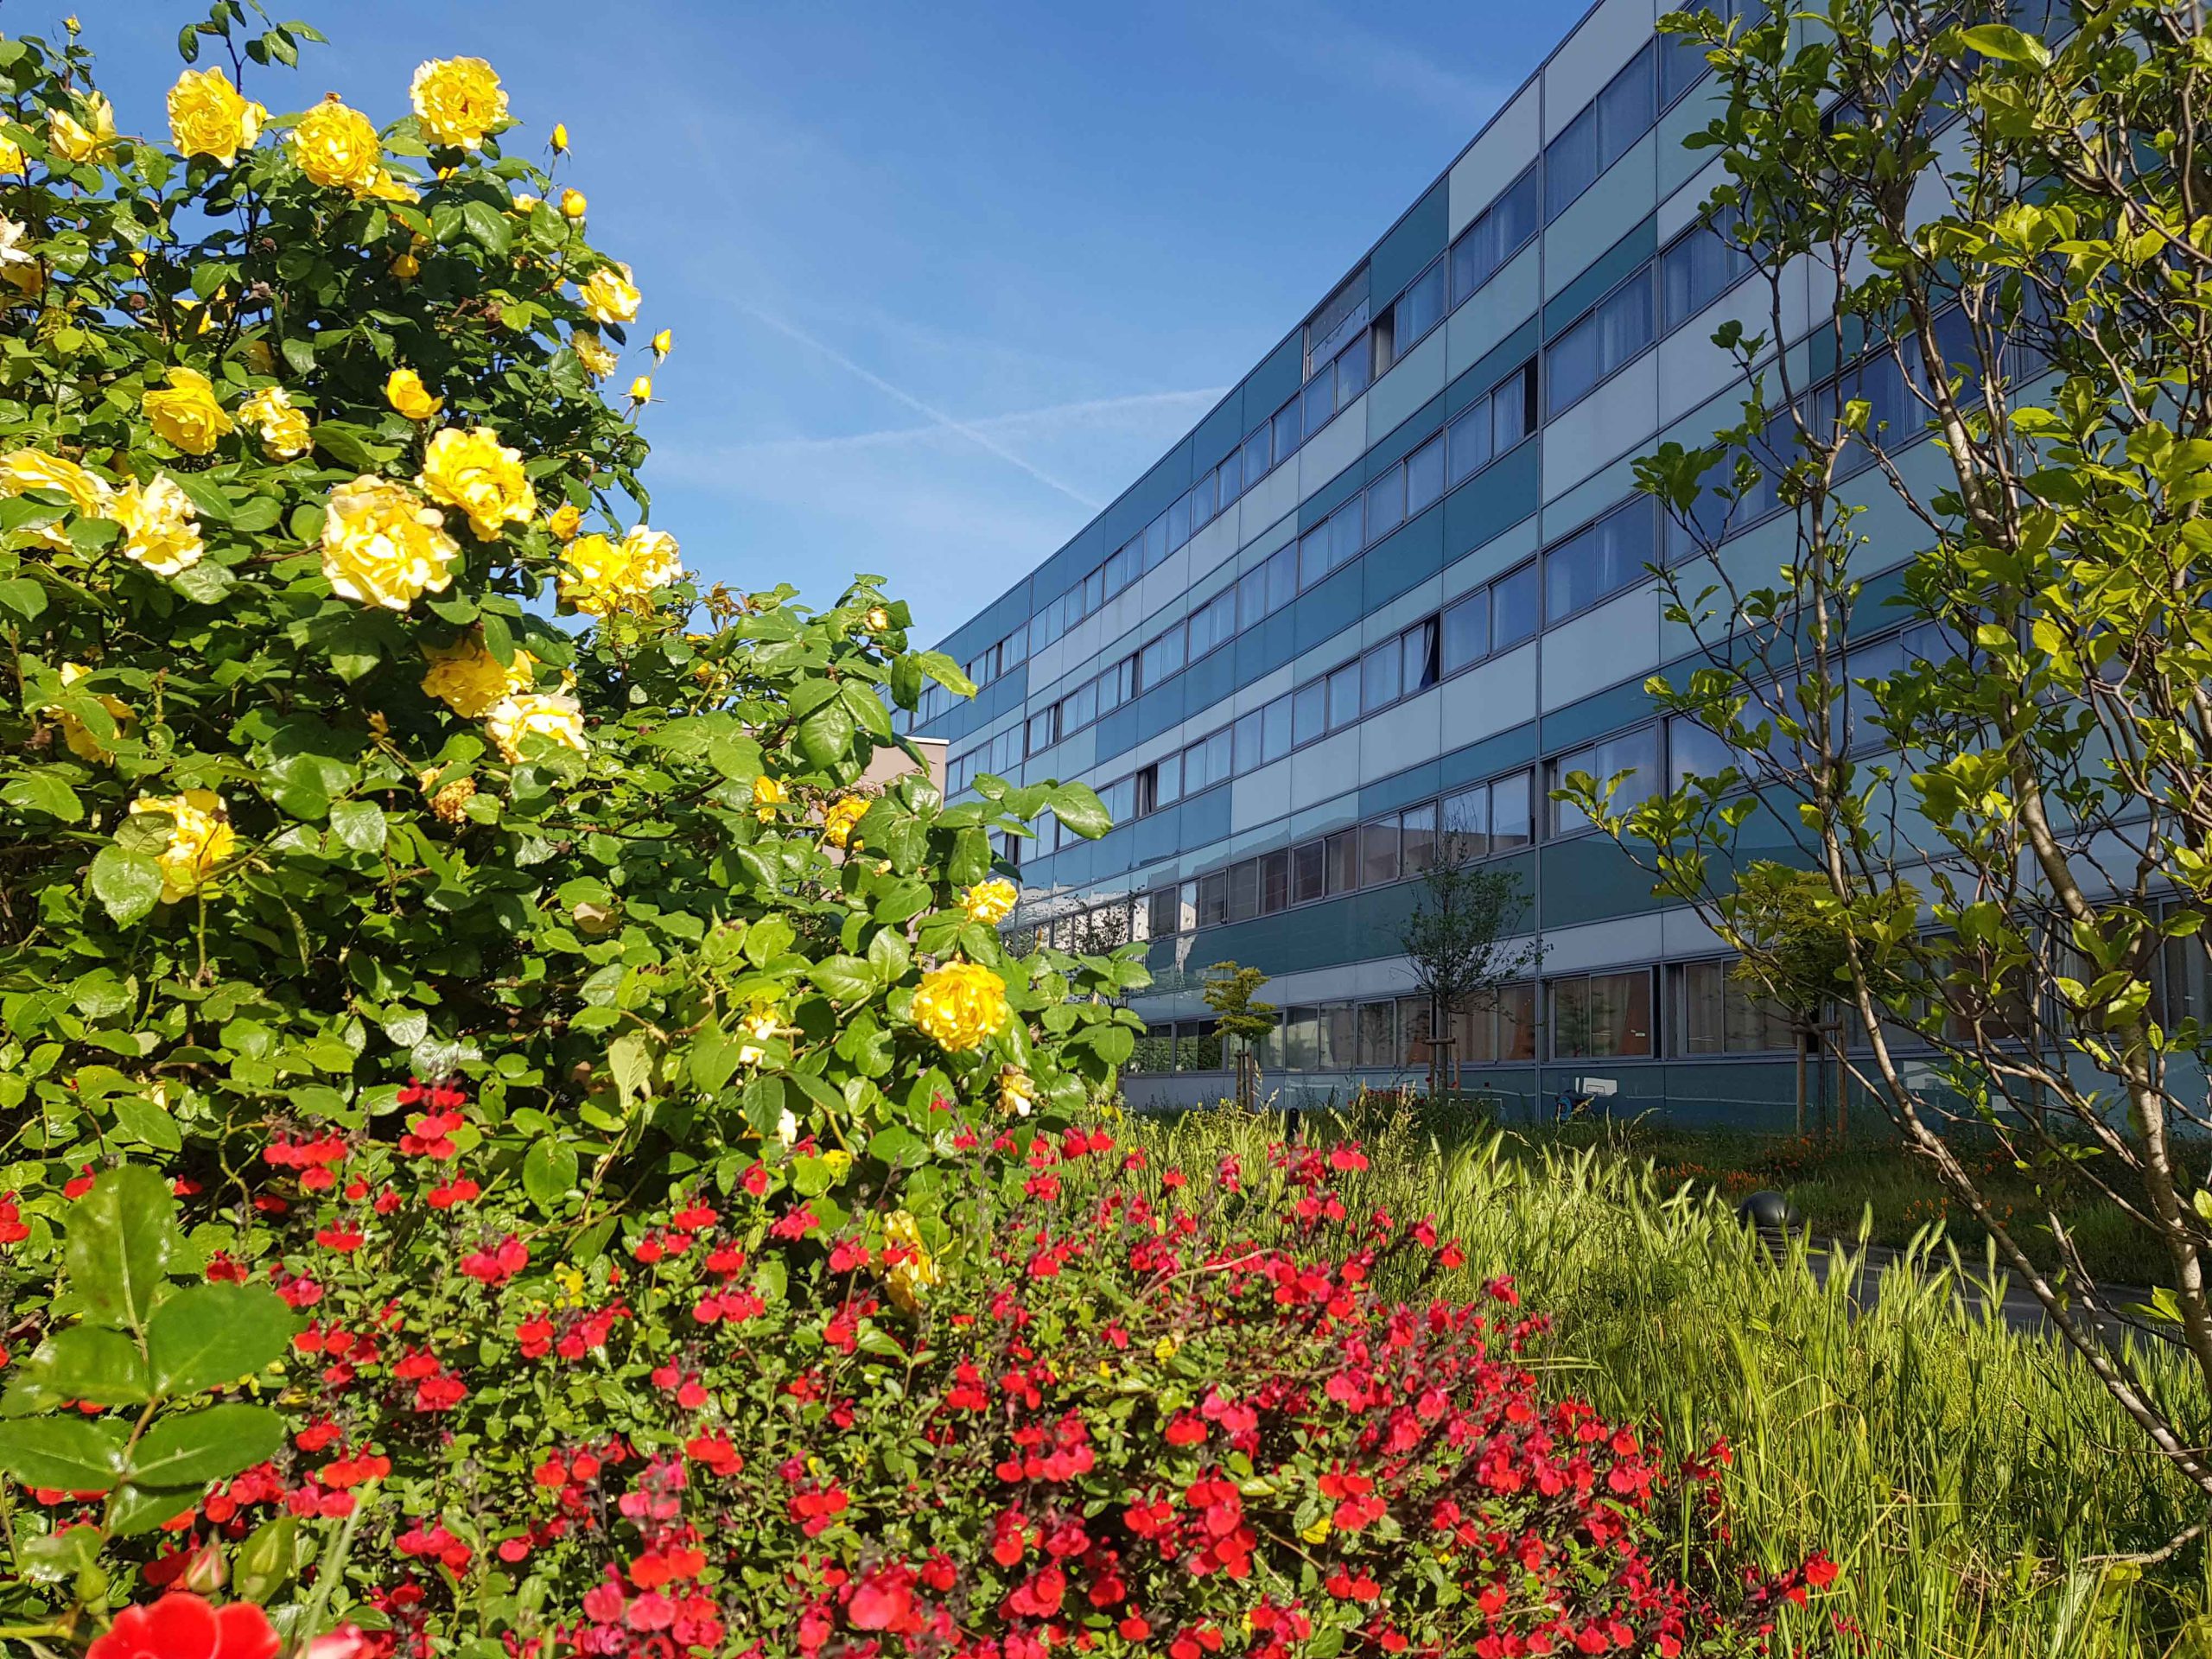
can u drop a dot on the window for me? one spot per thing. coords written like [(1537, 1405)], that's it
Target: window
[(1309, 711), (1120, 799), (1166, 916), (1614, 330), (1489, 818), (1386, 503), (1602, 1016), (1425, 476), (1341, 853), (1497, 1030), (1417, 838), (1377, 1041), (1500, 232), (1155, 542), (1858, 711), (1492, 424), (1699, 266), (1168, 787), (1231, 474), (1353, 372), (1417, 650), (1205, 763), (1467, 632), (1274, 883), (1602, 134), (1634, 753), (1379, 674), (1121, 566), (1079, 707), (1334, 542), (1378, 852), (1045, 729), (1256, 463), (1419, 309), (1203, 506), (1308, 877), (1014, 650), (1600, 559), (1214, 624), (1244, 891), (1343, 696), (1178, 522), (1263, 735), (1163, 657), (1266, 588), (1287, 433), (1213, 899), (1118, 683), (1343, 315), (1718, 1014), (1513, 615), (1695, 750)]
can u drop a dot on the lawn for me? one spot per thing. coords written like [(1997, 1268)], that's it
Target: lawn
[(1969, 1479)]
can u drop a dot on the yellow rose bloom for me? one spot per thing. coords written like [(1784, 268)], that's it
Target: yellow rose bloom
[(208, 116), (382, 544), (78, 736), (11, 156), (405, 391), (338, 147), (664, 342), (458, 100), (761, 1024), (283, 426), (641, 389), (768, 793), (598, 360), (258, 356), (76, 140), (564, 521), (879, 619), (609, 295), (990, 902), (540, 713), (472, 471), (915, 1273), (602, 576), (186, 412), (838, 821), (960, 1005), (161, 528), (199, 839), (33, 469), (469, 680), (1017, 1091), (573, 204), (560, 137)]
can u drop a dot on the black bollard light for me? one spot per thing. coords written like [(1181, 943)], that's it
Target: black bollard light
[(1769, 1214)]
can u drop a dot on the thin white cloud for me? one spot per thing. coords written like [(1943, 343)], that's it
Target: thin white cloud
[(936, 416), (1046, 419), (1333, 44)]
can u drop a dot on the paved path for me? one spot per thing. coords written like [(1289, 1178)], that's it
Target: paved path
[(2021, 1310)]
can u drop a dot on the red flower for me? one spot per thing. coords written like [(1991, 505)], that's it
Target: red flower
[(182, 1625), (1820, 1571)]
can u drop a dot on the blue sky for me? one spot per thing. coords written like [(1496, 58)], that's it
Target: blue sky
[(944, 278)]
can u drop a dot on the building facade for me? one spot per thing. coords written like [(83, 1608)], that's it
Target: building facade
[(1382, 598)]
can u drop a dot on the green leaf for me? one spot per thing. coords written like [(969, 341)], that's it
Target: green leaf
[(207, 1335), (359, 824), (1078, 806), (1999, 40), (267, 1561), (140, 1119), (204, 583), (85, 1362), (889, 955), (121, 1236), (304, 784), (136, 1509), (488, 225), (65, 1453), (23, 596), (58, 1556), (212, 1443), (631, 1067), (844, 979), (208, 497), (826, 735), (349, 446), (43, 791), (713, 1060), (128, 885), (548, 1171)]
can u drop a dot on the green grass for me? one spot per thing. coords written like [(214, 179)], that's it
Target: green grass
[(1965, 1477)]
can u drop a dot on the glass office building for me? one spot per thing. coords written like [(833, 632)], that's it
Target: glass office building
[(1381, 598)]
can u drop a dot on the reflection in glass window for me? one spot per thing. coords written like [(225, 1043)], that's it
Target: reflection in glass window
[(1343, 696), (1386, 503), (1499, 1029), (1425, 476), (1513, 611), (1309, 711), (1700, 266), (1695, 750), (1721, 1015), (1378, 852), (1417, 647), (1601, 559), (1602, 134), (1417, 838), (1500, 232), (1379, 676), (1467, 632), (1308, 878), (1601, 1016)]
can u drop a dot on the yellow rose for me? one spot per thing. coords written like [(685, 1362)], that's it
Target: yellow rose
[(458, 100), (207, 117), (602, 577), (406, 268), (161, 528), (838, 821), (186, 413), (199, 839), (76, 140), (990, 902), (471, 470), (879, 619), (337, 146), (914, 1273), (609, 296), (382, 544), (1017, 1091), (961, 1006), (594, 354), (468, 679), (450, 803), (405, 391), (641, 389), (78, 736), (664, 342), (539, 714), (759, 1025), (573, 204), (283, 426), (564, 520), (560, 137), (33, 469), (768, 793), (258, 356), (11, 156)]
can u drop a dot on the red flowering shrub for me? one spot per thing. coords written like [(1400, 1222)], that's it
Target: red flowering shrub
[(1070, 1399)]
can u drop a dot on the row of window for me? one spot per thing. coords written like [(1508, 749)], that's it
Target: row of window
[(1592, 1016)]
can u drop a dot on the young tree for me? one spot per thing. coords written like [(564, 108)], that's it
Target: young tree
[(2005, 243), (1789, 951), (1228, 992), (1459, 944)]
